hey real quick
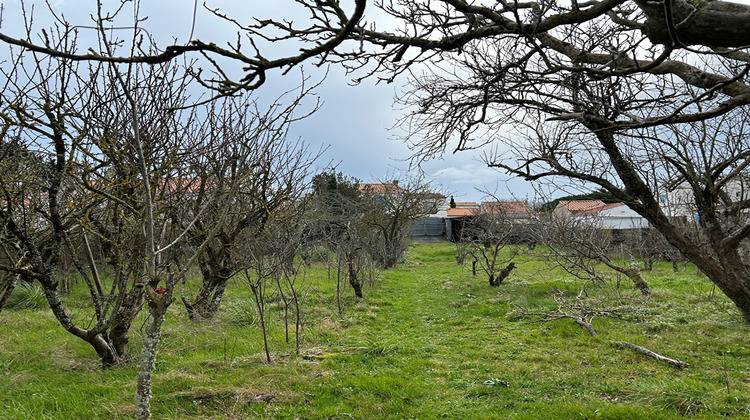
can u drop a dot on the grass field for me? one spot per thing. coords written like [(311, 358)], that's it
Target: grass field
[(428, 341)]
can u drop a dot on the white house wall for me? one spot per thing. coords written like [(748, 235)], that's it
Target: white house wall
[(621, 217)]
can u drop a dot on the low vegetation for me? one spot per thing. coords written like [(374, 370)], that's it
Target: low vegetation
[(429, 341)]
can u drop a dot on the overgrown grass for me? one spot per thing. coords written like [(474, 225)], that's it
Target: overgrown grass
[(428, 341)]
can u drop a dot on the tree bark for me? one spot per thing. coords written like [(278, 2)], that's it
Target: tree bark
[(502, 275), (157, 310), (7, 288), (208, 300), (119, 332), (642, 350), (634, 274), (354, 280), (718, 24), (101, 344), (586, 325)]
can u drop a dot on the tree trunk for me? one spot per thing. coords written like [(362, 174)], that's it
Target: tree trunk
[(502, 275), (100, 343), (258, 290), (354, 280), (721, 24), (208, 300), (736, 286), (648, 263), (157, 309), (638, 280), (6, 288), (119, 332)]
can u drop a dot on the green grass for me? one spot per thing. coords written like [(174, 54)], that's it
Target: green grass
[(428, 341)]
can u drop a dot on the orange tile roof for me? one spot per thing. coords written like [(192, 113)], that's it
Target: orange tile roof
[(507, 207), (184, 185), (599, 209), (380, 188), (461, 212), (579, 206)]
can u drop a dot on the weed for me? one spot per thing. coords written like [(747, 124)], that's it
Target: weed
[(26, 296), (375, 346), (241, 314)]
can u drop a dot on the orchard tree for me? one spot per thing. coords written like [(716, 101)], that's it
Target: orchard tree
[(48, 211), (103, 165), (581, 248), (589, 92), (337, 210), (392, 207), (268, 172), (487, 236)]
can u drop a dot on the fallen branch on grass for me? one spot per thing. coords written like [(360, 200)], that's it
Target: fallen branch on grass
[(642, 350), (582, 311)]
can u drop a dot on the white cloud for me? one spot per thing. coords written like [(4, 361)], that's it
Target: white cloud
[(469, 174)]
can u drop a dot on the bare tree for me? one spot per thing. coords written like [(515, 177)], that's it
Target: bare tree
[(47, 205), (580, 248), (488, 236), (567, 78), (272, 269), (258, 278), (392, 207), (338, 210), (650, 247), (268, 171)]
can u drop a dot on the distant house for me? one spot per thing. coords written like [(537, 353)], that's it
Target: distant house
[(455, 217), (461, 212), (518, 213), (380, 188), (513, 211), (463, 209), (598, 214), (677, 200), (432, 202), (567, 209)]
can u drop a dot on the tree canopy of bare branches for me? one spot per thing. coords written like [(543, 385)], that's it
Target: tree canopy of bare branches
[(628, 96)]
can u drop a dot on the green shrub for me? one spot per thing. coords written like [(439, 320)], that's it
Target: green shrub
[(26, 296)]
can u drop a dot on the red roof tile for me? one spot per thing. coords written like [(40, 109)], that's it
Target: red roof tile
[(600, 209), (461, 212), (380, 188), (579, 206), (507, 207)]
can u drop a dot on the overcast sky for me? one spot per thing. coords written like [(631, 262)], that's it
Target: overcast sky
[(353, 122)]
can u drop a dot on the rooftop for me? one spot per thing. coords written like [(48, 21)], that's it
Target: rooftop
[(507, 207), (380, 188)]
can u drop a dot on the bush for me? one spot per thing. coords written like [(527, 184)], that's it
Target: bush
[(26, 296)]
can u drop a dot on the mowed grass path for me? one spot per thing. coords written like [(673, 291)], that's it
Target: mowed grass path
[(428, 341)]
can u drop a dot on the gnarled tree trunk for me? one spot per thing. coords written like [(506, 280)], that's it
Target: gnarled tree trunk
[(502, 275), (354, 279), (208, 301), (119, 332)]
